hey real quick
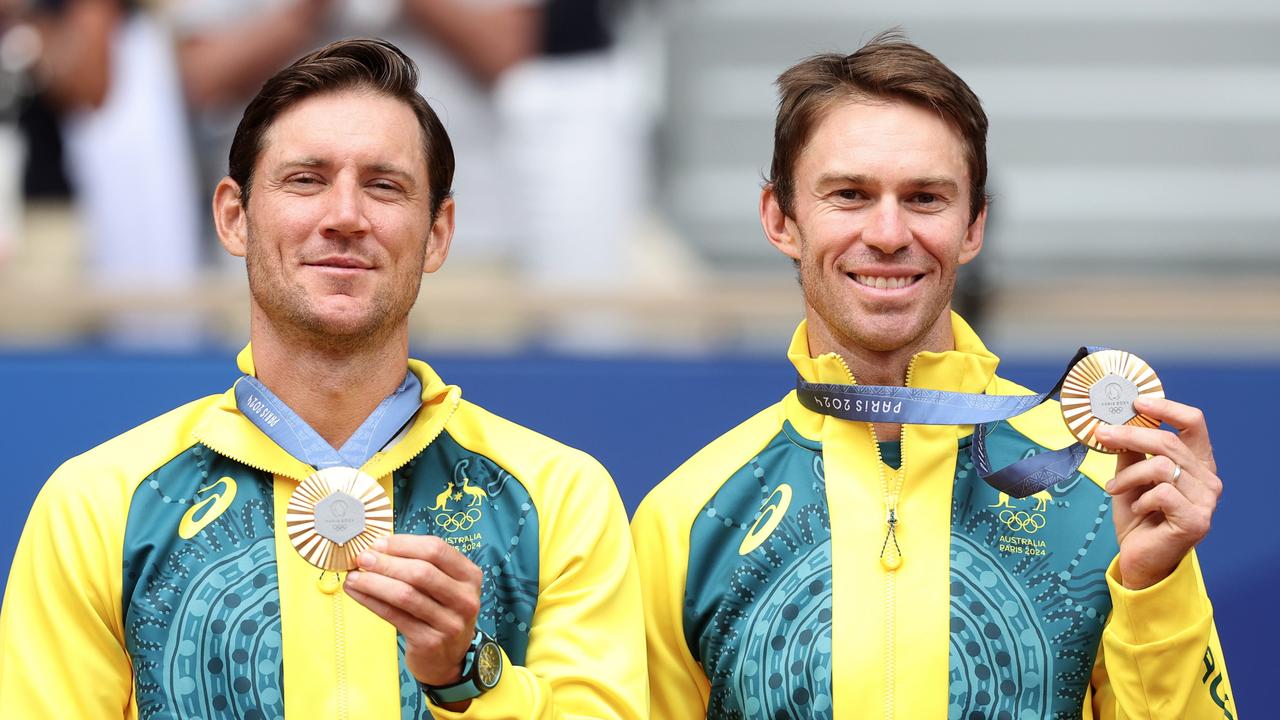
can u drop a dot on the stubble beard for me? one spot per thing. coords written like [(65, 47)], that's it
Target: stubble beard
[(291, 312)]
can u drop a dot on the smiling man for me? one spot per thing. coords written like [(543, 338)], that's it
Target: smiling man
[(340, 534), (809, 565)]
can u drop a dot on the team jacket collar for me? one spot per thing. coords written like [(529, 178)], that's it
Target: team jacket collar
[(229, 433), (969, 368)]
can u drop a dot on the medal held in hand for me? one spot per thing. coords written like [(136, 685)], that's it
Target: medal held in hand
[(336, 514), (1101, 388)]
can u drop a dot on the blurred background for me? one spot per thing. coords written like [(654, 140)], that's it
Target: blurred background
[(609, 283)]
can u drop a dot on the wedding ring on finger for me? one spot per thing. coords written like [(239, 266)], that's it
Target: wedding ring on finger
[(1177, 473)]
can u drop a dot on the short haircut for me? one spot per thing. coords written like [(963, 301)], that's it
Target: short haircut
[(887, 68), (361, 63)]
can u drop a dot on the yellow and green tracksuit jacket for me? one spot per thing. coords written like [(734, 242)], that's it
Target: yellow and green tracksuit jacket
[(155, 577), (766, 596)]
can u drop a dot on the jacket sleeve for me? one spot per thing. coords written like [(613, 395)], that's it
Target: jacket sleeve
[(61, 634), (586, 646), (1160, 654), (678, 686)]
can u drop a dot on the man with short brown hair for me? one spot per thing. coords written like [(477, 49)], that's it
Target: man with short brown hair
[(829, 560), (340, 534)]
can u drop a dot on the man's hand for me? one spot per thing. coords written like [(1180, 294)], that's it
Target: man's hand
[(430, 592), (1161, 512)]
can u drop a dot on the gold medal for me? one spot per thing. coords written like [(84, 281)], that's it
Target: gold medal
[(1101, 388), (336, 514)]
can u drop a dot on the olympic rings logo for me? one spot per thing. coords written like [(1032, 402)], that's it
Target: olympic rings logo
[(453, 522), (1020, 521)]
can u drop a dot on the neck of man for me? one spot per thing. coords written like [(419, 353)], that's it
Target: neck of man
[(332, 384), (879, 367)]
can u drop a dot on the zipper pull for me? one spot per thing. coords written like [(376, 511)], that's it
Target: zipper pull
[(891, 555), (329, 583)]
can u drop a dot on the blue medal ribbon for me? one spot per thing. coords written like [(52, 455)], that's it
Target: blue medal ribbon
[(286, 429), (893, 404)]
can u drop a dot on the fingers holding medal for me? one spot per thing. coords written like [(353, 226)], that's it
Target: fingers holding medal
[(1181, 459), (1165, 488), (340, 520), (430, 592)]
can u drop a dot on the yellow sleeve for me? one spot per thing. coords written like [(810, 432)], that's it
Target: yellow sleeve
[(1160, 654), (62, 651), (678, 686), (586, 646)]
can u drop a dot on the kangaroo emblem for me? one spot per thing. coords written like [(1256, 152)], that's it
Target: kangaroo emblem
[(1042, 499), (443, 498), (475, 495)]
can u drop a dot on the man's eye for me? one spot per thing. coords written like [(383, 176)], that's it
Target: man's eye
[(849, 194), (384, 186), (926, 198)]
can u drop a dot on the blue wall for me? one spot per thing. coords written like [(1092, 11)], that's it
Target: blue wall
[(641, 418)]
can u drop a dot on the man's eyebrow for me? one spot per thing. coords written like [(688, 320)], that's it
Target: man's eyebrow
[(938, 181), (307, 161), (836, 178), (859, 179), (391, 169)]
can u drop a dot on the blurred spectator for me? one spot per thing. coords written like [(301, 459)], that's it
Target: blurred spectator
[(571, 135), (107, 68), (19, 46), (575, 137)]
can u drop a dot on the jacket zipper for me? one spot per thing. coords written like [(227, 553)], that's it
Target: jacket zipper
[(340, 657), (891, 597), (891, 554)]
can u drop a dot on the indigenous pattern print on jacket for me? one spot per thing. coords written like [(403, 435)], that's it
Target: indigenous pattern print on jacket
[(203, 613), (1028, 596)]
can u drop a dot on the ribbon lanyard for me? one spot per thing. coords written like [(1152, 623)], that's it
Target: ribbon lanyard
[(280, 423), (893, 404)]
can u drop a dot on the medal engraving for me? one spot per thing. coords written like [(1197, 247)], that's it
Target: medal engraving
[(336, 514), (1111, 399), (339, 518)]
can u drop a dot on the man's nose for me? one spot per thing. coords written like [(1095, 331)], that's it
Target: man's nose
[(887, 229), (346, 209)]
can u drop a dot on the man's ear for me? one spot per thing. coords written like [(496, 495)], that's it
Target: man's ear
[(439, 237), (229, 217), (777, 226), (972, 243)]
